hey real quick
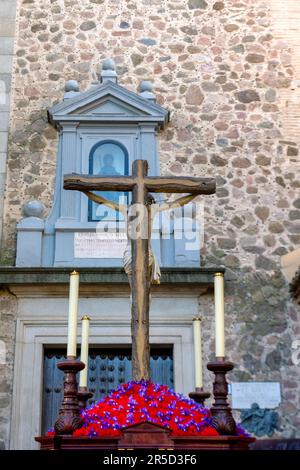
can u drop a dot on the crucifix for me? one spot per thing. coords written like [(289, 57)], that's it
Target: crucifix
[(141, 267)]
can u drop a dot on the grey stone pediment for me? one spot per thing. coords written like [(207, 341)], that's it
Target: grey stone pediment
[(108, 102)]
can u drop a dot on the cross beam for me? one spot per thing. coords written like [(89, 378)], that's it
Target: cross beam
[(152, 184), (140, 184)]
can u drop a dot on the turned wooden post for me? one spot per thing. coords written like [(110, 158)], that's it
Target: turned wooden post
[(69, 418), (222, 418), (199, 396), (83, 396)]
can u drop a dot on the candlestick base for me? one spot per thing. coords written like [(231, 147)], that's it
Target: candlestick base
[(199, 395), (222, 418), (83, 396), (69, 418)]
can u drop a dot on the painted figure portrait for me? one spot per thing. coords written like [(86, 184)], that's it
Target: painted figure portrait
[(108, 158)]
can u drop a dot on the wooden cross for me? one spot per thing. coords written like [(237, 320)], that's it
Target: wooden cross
[(141, 185)]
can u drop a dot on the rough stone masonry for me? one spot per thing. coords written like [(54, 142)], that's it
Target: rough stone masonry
[(221, 69)]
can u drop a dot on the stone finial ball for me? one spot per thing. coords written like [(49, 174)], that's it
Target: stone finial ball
[(72, 85), (146, 85), (108, 64), (34, 209)]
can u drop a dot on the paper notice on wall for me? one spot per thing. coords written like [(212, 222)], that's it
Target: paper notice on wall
[(99, 245)]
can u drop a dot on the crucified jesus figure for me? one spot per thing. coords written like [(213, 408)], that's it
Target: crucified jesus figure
[(154, 269), (138, 254)]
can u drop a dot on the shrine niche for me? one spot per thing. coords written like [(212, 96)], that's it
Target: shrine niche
[(101, 132)]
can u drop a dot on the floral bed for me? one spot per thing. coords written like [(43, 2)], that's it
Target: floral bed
[(137, 402)]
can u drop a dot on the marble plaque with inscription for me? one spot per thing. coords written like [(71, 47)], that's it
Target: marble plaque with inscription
[(99, 244), (265, 394)]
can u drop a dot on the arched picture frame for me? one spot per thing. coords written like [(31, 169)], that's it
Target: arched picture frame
[(108, 158)]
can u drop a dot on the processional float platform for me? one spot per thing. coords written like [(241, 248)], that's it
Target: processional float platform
[(145, 436)]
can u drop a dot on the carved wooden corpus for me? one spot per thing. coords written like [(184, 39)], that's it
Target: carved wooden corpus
[(222, 417), (69, 418), (141, 185), (83, 396), (199, 396)]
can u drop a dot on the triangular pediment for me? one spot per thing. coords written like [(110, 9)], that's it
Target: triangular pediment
[(108, 102), (108, 106)]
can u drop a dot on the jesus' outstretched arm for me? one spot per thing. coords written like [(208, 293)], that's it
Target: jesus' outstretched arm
[(106, 202), (181, 201)]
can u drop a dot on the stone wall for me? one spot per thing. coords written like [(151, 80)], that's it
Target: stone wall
[(8, 310), (7, 301), (7, 32), (262, 323), (223, 70), (285, 24)]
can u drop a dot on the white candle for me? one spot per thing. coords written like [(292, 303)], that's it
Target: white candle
[(84, 357), (73, 308), (219, 315), (198, 352)]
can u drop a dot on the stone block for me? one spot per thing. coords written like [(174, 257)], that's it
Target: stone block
[(8, 9), (29, 242), (5, 63), (7, 45), (4, 105), (5, 78), (3, 141), (2, 162), (4, 119), (5, 84), (7, 29), (2, 184)]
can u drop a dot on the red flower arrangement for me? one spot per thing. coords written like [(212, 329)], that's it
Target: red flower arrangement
[(136, 402)]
